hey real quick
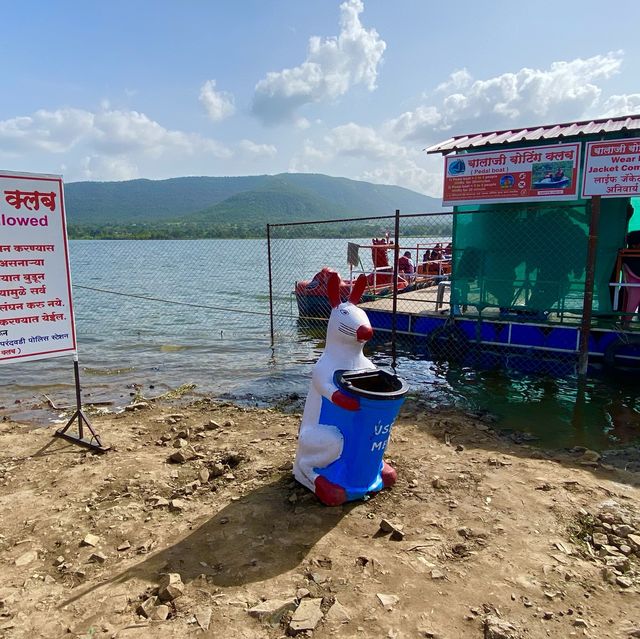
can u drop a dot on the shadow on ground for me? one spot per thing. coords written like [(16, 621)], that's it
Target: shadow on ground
[(260, 536)]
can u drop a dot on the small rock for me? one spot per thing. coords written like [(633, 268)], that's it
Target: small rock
[(437, 574), (625, 550), (623, 530), (145, 609), (137, 406), (179, 457), (496, 628), (125, 545), (170, 587), (176, 505), (217, 470), (624, 582), (203, 617), (272, 610), (228, 423), (161, 502), (180, 443), (439, 483), (212, 425), (160, 613), (580, 623), (635, 540), (590, 456), (397, 534), (599, 539), (337, 614), (98, 557), (547, 615), (59, 560), (388, 601), (301, 593), (27, 558), (204, 475), (307, 616), (90, 540)]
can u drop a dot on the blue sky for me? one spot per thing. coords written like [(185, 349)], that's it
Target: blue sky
[(120, 90)]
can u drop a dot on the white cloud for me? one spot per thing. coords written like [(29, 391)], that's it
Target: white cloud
[(332, 66), (95, 167), (359, 141), (107, 144), (112, 132), (621, 105), (219, 104), (567, 90), (252, 149)]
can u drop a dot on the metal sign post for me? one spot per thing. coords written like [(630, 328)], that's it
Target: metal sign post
[(94, 442)]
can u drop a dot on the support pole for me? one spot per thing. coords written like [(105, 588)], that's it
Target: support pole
[(590, 271), (396, 256), (270, 283), (94, 442)]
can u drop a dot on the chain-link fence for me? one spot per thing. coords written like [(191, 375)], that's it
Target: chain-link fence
[(494, 289)]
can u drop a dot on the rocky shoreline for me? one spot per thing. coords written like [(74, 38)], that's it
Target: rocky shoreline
[(193, 525)]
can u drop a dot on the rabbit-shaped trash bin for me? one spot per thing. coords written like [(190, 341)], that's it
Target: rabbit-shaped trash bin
[(350, 410)]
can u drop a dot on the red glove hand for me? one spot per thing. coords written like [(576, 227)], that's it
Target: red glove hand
[(345, 401)]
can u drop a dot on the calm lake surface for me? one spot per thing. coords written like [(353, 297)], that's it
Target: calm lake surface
[(203, 338)]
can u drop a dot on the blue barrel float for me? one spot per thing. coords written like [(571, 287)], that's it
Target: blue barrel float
[(365, 431)]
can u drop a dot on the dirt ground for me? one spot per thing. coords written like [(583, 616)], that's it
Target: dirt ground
[(496, 540)]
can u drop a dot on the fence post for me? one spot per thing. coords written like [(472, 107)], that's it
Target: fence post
[(396, 255), (270, 282), (590, 271)]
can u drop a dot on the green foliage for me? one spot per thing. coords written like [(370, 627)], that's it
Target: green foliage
[(239, 207)]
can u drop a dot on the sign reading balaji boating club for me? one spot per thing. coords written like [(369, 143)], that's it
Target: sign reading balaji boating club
[(36, 315), (612, 169), (514, 175)]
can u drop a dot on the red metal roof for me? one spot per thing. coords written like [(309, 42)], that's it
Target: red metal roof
[(544, 132)]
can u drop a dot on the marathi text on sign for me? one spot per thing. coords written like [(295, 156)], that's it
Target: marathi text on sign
[(514, 175), (612, 169)]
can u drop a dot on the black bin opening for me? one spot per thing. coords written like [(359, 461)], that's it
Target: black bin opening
[(372, 384)]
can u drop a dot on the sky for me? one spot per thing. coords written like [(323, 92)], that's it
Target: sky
[(157, 89)]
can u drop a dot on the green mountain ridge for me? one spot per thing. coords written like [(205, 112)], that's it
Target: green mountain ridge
[(240, 206)]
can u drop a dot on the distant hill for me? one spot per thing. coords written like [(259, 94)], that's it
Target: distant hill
[(247, 199)]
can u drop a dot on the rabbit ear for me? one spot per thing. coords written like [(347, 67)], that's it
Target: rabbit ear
[(358, 289), (333, 290)]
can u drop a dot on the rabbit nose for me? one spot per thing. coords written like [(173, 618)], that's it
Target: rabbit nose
[(364, 333)]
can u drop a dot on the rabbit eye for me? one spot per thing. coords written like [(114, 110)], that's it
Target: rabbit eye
[(344, 312)]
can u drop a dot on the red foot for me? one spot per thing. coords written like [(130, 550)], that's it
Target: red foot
[(389, 475), (328, 493)]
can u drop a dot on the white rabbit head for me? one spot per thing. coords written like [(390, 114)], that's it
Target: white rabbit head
[(348, 324)]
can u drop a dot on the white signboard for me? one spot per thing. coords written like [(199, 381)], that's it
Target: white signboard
[(612, 169), (36, 315)]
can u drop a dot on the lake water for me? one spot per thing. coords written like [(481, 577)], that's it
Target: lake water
[(204, 337)]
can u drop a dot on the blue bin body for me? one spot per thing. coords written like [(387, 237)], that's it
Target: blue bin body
[(365, 433)]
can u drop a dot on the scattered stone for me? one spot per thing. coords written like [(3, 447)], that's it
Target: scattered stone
[(439, 483), (179, 457), (624, 582), (625, 550), (337, 614), (145, 609), (203, 617), (388, 601), (212, 425), (623, 530), (272, 610), (437, 574), (547, 615), (635, 540), (160, 613), (26, 558), (90, 540), (125, 545), (170, 587), (580, 623), (217, 470), (180, 443), (397, 534), (176, 505), (307, 616), (137, 406), (228, 423), (59, 560), (496, 628), (204, 475), (98, 557), (161, 502), (599, 539)]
